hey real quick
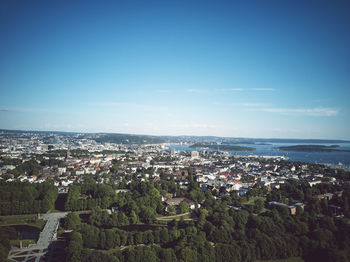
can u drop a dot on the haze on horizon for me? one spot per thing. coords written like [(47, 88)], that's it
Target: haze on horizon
[(259, 69)]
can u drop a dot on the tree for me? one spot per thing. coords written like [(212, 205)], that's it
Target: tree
[(206, 253), (112, 239), (75, 247), (147, 215), (171, 210), (71, 221), (149, 255), (183, 207), (90, 235), (225, 253), (167, 255), (138, 238), (102, 239), (189, 254), (133, 217), (164, 235), (240, 218), (258, 205), (3, 253), (202, 217)]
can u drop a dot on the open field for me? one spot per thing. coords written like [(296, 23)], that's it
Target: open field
[(25, 243), (186, 216), (31, 220)]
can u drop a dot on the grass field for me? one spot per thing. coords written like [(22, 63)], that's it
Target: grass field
[(176, 217), (31, 220), (25, 243)]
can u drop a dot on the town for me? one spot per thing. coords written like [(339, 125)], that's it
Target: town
[(184, 181), (66, 159)]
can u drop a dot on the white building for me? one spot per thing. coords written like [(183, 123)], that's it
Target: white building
[(194, 154)]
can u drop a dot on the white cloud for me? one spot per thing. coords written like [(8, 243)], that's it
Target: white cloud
[(5, 110), (132, 105), (27, 110), (232, 89), (246, 89), (263, 89), (254, 105), (196, 91), (318, 111), (63, 127)]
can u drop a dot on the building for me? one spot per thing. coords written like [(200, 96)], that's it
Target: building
[(292, 209), (177, 200), (68, 154), (62, 170), (194, 154), (328, 196)]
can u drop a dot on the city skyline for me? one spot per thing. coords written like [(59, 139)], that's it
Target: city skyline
[(253, 69)]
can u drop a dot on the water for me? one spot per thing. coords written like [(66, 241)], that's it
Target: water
[(332, 158)]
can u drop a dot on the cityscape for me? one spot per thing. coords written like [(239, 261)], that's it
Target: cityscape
[(142, 201), (165, 131)]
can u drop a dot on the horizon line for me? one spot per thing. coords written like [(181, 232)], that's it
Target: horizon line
[(136, 134)]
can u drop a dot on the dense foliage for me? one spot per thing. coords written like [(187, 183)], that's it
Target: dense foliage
[(130, 139), (25, 198), (141, 203), (6, 234), (88, 196), (218, 232), (9, 161), (63, 153), (30, 167)]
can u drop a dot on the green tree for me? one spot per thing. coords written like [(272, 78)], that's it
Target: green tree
[(183, 207), (171, 210), (164, 235), (167, 255), (149, 255), (75, 247), (133, 217), (258, 205), (71, 221)]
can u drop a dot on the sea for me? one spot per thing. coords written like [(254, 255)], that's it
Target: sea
[(335, 159)]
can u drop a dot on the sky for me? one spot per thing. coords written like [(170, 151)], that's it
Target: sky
[(222, 68)]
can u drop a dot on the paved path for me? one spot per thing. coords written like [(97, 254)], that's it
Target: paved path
[(36, 251)]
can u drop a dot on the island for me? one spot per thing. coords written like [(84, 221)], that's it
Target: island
[(222, 147), (312, 148), (245, 143)]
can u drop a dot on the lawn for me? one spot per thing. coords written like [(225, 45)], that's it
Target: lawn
[(25, 243), (176, 217), (31, 220)]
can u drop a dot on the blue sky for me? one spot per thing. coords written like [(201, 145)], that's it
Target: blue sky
[(224, 68)]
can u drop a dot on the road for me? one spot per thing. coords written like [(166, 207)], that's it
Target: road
[(36, 251)]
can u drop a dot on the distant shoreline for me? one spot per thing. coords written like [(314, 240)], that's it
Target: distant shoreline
[(312, 148), (110, 136), (223, 147)]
